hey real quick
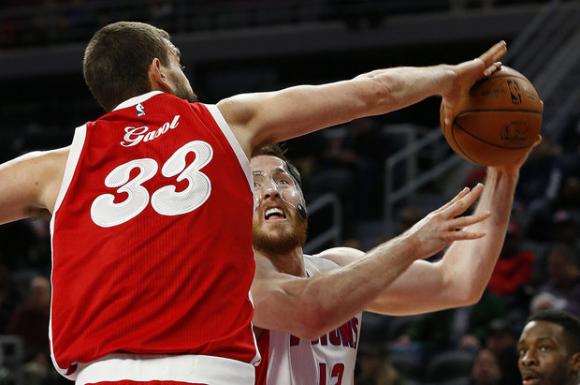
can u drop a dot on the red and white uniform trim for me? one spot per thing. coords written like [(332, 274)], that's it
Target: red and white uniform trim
[(193, 369)]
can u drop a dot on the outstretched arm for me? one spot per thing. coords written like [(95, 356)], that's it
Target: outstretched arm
[(308, 307), (262, 118)]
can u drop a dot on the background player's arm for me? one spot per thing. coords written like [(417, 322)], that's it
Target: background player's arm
[(461, 276), (262, 118), (29, 184), (308, 307)]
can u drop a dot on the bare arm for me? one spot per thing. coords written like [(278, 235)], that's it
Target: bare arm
[(308, 307), (261, 118), (461, 276), (30, 184)]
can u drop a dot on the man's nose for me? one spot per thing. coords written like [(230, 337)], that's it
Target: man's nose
[(529, 359), (269, 190)]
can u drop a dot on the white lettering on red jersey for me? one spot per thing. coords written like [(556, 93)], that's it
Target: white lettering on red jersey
[(328, 360), (152, 237)]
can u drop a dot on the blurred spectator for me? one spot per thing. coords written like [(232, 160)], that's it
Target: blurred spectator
[(17, 238), (30, 319), (357, 155), (501, 340), (513, 270), (35, 372), (540, 176), (562, 291), (375, 367), (8, 298), (565, 228), (562, 194), (460, 328), (571, 135), (485, 370)]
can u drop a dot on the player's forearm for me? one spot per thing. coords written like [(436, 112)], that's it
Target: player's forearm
[(467, 266), (329, 300), (270, 117), (399, 87)]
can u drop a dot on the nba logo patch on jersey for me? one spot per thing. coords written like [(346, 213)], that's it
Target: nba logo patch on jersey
[(140, 109)]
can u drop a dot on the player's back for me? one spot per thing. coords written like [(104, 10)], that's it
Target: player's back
[(152, 237)]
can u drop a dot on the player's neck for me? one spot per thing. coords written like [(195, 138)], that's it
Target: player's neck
[(290, 263)]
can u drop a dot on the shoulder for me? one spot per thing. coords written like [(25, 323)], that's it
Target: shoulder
[(52, 161), (341, 256), (42, 161)]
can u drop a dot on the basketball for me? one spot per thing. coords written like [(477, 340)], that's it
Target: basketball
[(498, 121)]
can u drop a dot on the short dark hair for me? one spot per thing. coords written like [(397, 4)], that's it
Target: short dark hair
[(569, 323), (117, 59), (279, 152)]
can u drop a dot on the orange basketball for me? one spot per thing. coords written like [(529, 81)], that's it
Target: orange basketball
[(498, 121)]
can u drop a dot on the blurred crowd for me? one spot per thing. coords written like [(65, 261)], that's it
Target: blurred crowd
[(49, 22)]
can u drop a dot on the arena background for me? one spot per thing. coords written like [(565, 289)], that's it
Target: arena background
[(365, 181)]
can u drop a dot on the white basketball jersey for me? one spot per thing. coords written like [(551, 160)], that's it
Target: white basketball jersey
[(328, 360)]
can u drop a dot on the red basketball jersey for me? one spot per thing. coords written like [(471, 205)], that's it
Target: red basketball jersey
[(152, 237)]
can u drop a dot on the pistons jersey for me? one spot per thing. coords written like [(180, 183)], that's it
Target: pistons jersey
[(152, 237), (328, 360)]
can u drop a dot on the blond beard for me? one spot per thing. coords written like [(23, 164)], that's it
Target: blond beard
[(283, 240)]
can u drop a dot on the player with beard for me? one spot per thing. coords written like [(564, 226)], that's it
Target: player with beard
[(308, 308), (150, 278), (549, 349)]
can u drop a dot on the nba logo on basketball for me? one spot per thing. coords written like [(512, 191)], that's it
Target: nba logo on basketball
[(514, 91)]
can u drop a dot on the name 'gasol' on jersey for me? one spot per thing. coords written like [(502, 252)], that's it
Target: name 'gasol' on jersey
[(134, 135)]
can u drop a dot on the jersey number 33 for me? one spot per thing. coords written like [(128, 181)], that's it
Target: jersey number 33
[(166, 200)]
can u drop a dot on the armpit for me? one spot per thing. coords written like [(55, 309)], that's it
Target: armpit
[(38, 213)]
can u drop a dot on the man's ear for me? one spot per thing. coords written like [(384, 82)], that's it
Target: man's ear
[(575, 361), (157, 78)]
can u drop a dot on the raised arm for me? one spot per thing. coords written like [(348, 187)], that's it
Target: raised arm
[(308, 307), (29, 184), (262, 118), (461, 276)]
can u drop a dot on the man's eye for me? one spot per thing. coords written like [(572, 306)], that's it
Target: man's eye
[(545, 348), (522, 352)]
